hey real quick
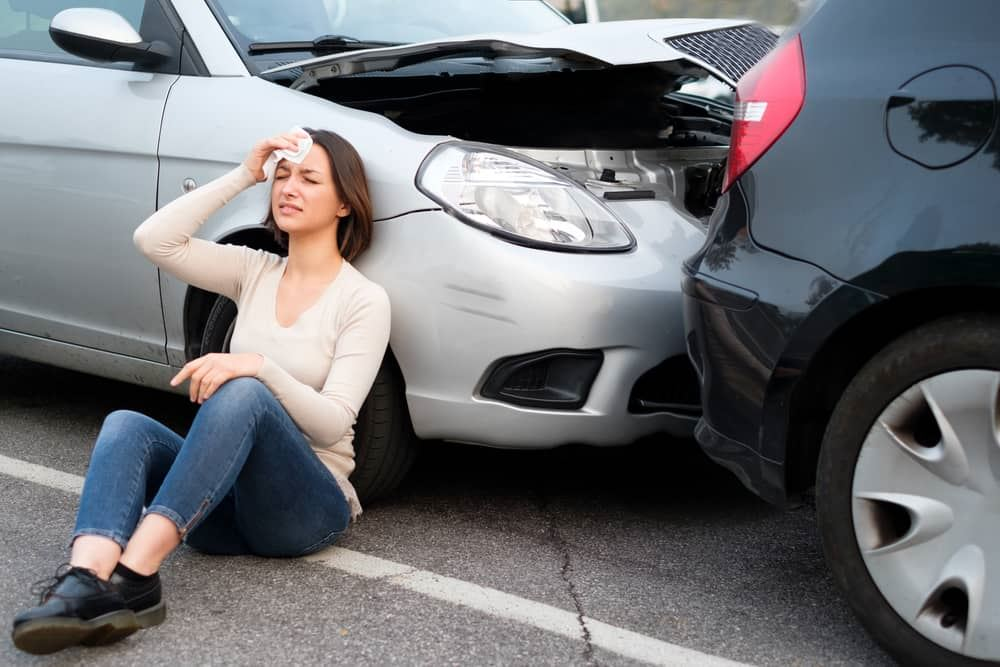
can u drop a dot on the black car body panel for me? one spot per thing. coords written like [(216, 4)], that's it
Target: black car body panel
[(865, 202), (876, 210)]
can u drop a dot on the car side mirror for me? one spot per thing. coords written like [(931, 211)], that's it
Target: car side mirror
[(103, 35)]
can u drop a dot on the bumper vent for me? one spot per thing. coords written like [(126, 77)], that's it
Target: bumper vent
[(731, 51), (553, 379), (670, 387)]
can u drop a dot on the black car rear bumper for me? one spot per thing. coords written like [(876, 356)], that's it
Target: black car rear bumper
[(734, 376), (763, 477), (751, 345), (754, 322)]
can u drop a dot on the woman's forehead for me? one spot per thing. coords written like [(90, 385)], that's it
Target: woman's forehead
[(315, 160)]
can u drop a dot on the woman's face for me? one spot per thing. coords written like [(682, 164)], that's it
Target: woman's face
[(303, 197)]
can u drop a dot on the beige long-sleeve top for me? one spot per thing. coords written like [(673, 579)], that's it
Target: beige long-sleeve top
[(322, 366)]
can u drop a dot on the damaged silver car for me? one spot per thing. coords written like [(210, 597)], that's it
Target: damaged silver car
[(536, 187)]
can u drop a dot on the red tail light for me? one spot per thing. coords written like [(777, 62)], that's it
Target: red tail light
[(768, 98)]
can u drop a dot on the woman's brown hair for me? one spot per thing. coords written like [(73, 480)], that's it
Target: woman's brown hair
[(354, 230)]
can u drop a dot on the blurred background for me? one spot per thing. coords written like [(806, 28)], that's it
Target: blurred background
[(769, 12)]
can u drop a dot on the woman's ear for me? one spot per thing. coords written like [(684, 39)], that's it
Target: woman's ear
[(344, 211)]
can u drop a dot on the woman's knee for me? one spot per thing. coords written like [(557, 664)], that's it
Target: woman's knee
[(120, 428), (132, 431), (244, 391), (125, 421)]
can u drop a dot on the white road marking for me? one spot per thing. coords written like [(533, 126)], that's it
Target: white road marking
[(481, 598), (504, 605), (32, 472)]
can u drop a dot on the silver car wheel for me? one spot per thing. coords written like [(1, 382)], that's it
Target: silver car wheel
[(926, 509)]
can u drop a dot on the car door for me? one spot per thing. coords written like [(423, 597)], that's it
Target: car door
[(78, 173)]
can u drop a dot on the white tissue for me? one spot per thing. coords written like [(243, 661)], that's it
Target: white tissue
[(305, 143)]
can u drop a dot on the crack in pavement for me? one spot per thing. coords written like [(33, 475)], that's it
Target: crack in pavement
[(554, 619), (565, 572)]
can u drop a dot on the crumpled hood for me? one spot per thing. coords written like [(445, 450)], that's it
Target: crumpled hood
[(724, 47)]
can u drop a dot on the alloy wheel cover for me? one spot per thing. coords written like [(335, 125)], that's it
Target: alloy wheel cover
[(926, 509)]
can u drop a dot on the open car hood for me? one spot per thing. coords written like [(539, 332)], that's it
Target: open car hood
[(726, 48)]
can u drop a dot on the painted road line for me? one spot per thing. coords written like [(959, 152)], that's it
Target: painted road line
[(504, 605), (41, 475), (448, 589)]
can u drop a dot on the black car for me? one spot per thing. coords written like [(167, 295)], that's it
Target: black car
[(844, 312)]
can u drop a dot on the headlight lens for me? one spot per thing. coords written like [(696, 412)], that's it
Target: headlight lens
[(510, 196)]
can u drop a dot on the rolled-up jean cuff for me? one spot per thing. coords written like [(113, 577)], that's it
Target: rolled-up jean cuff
[(118, 538), (176, 518)]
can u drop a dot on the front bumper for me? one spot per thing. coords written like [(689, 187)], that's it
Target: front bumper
[(462, 300)]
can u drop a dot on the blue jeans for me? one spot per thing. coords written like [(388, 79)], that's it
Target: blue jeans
[(244, 481)]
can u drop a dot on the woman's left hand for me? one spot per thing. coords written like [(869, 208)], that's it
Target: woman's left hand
[(211, 371)]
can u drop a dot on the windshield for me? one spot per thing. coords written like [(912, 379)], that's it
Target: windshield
[(398, 21)]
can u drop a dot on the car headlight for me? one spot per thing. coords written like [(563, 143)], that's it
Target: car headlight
[(520, 200)]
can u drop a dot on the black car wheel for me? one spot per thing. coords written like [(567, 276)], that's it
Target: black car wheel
[(908, 493), (219, 326), (384, 443)]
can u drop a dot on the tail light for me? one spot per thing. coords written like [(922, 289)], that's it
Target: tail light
[(768, 98)]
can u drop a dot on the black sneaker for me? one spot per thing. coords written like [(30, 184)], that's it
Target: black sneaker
[(74, 607), (143, 596)]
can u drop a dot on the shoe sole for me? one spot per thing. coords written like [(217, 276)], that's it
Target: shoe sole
[(154, 615), (41, 636)]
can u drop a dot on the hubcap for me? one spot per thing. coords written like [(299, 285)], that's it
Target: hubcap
[(926, 508)]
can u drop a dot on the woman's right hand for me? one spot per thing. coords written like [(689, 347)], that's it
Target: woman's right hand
[(263, 149)]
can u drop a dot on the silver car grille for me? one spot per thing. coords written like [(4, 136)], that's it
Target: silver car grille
[(732, 51)]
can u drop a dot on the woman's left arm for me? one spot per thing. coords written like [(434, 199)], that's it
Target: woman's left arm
[(326, 416)]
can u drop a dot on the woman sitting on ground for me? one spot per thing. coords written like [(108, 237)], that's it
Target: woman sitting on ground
[(264, 467)]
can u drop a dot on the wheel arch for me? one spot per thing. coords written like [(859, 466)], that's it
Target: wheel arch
[(198, 302), (843, 354)]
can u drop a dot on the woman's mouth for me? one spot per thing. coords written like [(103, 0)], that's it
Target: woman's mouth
[(288, 209)]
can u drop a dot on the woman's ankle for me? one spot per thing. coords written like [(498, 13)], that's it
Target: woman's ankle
[(154, 540), (97, 553), (126, 572)]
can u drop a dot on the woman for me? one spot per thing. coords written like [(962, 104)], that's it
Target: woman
[(264, 468)]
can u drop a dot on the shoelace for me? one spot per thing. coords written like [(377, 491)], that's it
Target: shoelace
[(45, 588)]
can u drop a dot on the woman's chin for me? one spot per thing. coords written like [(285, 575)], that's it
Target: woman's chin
[(286, 223)]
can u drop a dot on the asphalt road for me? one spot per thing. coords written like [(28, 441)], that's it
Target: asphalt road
[(499, 547)]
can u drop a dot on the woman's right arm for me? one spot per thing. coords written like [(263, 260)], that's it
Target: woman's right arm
[(166, 237)]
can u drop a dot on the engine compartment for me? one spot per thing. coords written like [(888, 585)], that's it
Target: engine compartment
[(621, 107), (576, 118)]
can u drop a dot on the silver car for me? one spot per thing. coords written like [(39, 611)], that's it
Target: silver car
[(535, 188)]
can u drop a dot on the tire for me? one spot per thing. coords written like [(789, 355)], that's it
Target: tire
[(886, 471), (384, 443), (219, 326)]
